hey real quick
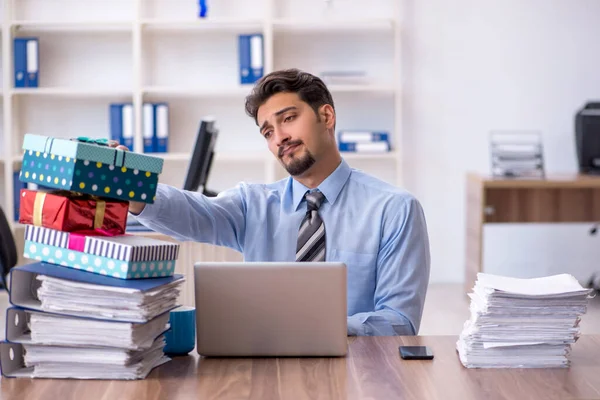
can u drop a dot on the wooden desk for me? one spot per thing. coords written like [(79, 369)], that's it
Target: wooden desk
[(373, 369), (569, 198)]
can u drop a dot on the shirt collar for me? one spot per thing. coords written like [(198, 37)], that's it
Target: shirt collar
[(330, 187)]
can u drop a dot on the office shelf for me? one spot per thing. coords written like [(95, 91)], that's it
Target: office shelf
[(139, 51)]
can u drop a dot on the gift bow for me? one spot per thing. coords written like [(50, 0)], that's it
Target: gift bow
[(85, 139), (38, 208)]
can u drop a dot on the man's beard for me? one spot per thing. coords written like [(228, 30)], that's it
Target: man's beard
[(299, 165)]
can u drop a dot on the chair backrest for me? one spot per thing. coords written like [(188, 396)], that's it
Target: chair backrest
[(8, 248)]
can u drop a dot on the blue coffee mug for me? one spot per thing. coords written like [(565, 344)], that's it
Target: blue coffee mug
[(181, 336)]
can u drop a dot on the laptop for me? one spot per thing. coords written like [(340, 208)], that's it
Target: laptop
[(263, 309)]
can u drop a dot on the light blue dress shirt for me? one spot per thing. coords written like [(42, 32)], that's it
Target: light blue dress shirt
[(376, 229)]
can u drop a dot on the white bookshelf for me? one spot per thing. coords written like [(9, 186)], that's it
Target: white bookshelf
[(97, 52)]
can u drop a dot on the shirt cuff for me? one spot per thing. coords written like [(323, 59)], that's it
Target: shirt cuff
[(356, 326), (151, 211)]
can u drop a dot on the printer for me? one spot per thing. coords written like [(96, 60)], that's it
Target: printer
[(587, 138)]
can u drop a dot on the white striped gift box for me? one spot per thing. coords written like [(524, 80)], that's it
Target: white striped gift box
[(124, 248)]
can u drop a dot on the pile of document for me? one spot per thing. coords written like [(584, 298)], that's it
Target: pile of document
[(68, 323), (522, 323)]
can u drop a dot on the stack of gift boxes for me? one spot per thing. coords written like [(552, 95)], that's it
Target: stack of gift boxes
[(81, 225)]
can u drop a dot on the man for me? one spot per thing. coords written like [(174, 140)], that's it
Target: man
[(378, 230)]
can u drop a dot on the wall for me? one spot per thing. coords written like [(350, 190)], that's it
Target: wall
[(474, 66)]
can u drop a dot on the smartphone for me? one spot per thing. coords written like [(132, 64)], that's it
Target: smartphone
[(416, 353)]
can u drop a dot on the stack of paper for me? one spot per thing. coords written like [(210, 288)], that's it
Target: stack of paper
[(68, 323), (94, 363), (522, 323), (111, 302), (59, 330)]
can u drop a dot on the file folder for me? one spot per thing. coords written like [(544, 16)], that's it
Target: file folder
[(20, 62), (23, 282), (148, 127), (115, 115), (26, 61), (161, 127), (128, 128), (19, 329), (32, 63), (251, 58)]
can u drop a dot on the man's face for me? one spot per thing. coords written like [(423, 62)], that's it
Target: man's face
[(296, 136)]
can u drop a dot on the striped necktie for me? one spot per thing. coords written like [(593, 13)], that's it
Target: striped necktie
[(311, 236)]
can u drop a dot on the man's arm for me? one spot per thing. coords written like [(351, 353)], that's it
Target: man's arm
[(188, 215), (402, 276)]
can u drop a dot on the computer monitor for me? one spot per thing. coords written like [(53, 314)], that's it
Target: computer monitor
[(202, 157)]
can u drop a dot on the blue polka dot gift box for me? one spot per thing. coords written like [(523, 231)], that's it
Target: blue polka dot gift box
[(90, 166), (123, 256)]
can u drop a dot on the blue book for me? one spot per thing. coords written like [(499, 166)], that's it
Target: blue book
[(251, 58), (115, 114), (161, 127), (23, 277), (26, 62)]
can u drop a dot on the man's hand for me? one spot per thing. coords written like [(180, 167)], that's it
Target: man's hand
[(134, 206)]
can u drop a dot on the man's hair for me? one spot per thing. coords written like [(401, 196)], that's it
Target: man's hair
[(309, 88)]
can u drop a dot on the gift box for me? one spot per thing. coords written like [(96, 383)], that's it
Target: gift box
[(90, 166), (124, 257), (72, 212), (121, 247)]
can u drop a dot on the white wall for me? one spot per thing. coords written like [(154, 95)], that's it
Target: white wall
[(473, 66)]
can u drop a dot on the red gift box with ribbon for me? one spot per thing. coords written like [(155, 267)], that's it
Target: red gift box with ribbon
[(73, 212)]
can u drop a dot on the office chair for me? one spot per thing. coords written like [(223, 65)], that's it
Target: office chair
[(8, 249)]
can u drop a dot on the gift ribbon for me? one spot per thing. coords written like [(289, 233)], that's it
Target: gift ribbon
[(100, 212), (40, 198), (77, 240), (38, 208)]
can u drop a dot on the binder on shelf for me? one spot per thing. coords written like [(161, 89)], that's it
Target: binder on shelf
[(373, 147), (121, 123), (161, 127), (26, 62), (362, 136), (128, 128), (115, 115), (251, 58), (148, 127), (363, 141), (32, 63)]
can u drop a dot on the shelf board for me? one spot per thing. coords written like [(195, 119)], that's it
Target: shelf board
[(366, 88), (72, 92), (342, 25), (214, 25), (71, 26), (219, 156), (186, 92), (390, 155)]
